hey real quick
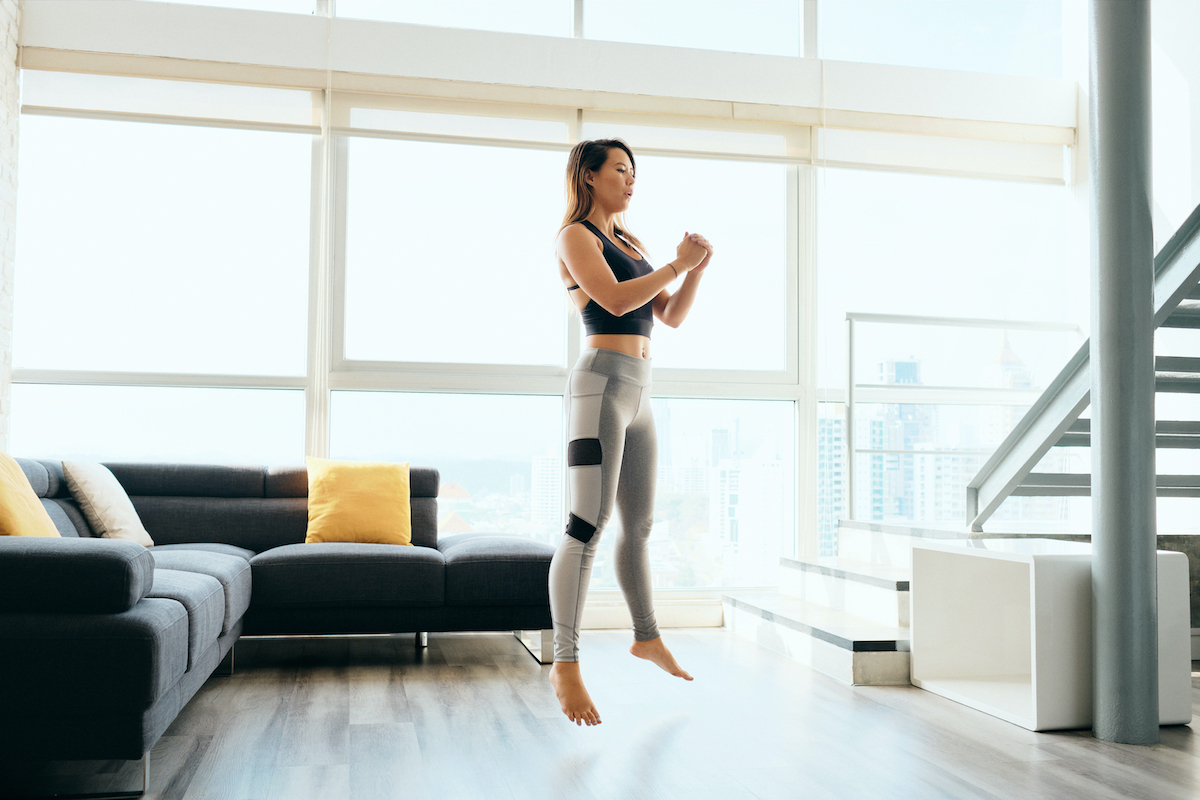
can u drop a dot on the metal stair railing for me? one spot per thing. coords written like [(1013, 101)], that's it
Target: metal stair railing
[(856, 392), (1176, 304)]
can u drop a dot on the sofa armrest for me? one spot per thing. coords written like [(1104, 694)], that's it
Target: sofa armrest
[(100, 576), (81, 664)]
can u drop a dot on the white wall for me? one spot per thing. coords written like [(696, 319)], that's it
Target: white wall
[(10, 27)]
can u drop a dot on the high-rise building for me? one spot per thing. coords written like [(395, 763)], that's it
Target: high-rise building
[(546, 497)]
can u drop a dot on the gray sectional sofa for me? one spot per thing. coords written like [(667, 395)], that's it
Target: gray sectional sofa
[(104, 642)]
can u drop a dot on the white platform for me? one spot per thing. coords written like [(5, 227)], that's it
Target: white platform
[(1005, 626)]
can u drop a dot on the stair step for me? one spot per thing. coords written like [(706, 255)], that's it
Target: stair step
[(875, 592), (1185, 315), (1066, 484), (868, 572), (1177, 382), (886, 544), (844, 646), (1168, 434), (1176, 364)]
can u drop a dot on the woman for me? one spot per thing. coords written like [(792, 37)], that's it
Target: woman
[(612, 451)]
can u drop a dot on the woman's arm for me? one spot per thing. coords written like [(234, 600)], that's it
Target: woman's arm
[(672, 309), (581, 252)]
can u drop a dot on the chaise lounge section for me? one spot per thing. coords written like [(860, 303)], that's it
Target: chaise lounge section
[(149, 626)]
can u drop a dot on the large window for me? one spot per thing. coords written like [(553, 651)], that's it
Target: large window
[(770, 27), (450, 253), (739, 321), (500, 456), (363, 267), (725, 500), (542, 17), (158, 423), (895, 243), (161, 248)]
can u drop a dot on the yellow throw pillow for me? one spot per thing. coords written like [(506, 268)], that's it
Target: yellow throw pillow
[(21, 512), (358, 501)]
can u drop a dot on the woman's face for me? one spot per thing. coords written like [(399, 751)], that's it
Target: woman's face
[(612, 184)]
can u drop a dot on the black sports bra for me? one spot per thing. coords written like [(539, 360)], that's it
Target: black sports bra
[(595, 318)]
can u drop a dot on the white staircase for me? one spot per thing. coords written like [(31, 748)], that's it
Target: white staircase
[(846, 616)]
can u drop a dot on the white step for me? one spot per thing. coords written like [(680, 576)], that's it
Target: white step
[(876, 543), (875, 592), (846, 647)]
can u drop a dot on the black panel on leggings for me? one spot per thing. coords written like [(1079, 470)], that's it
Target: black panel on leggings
[(583, 453), (580, 529)]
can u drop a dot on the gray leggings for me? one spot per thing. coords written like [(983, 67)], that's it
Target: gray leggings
[(612, 454)]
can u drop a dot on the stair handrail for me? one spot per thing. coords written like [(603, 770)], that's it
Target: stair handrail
[(1176, 273)]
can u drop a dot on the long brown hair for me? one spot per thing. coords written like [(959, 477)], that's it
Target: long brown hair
[(589, 156)]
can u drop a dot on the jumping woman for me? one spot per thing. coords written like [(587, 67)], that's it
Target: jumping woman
[(612, 449)]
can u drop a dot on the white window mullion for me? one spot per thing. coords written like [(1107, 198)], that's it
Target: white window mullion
[(805, 338)]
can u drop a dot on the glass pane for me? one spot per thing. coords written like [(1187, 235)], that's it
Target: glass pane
[(948, 444), (134, 423), (768, 27), (980, 358), (895, 243), (170, 98), (1007, 37), (500, 456), (831, 475), (742, 208), (541, 17), (725, 499), (434, 272), (188, 248)]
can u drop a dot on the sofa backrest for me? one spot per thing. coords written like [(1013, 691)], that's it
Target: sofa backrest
[(252, 507)]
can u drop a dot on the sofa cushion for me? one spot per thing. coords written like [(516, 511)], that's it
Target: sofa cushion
[(67, 517), (358, 501), (21, 511), (38, 476), (47, 575), (208, 547), (203, 597), (254, 523), (492, 569), (104, 502), (233, 573), (348, 574)]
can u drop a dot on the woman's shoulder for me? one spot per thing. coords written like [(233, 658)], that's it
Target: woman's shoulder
[(574, 233)]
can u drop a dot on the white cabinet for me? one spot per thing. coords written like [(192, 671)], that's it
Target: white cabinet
[(1005, 626)]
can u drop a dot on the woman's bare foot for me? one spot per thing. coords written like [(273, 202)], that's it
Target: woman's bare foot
[(656, 652), (572, 695)]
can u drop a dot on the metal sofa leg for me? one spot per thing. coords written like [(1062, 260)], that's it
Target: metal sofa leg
[(540, 644), (421, 639)]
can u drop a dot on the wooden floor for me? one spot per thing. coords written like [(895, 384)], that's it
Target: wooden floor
[(474, 717)]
